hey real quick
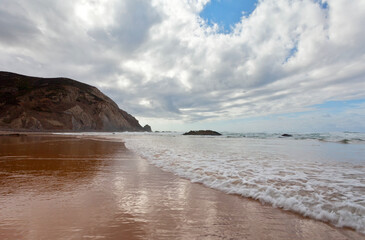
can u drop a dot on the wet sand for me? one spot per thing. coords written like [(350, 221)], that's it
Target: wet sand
[(65, 187)]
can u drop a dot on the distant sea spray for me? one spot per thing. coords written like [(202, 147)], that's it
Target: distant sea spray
[(339, 137)]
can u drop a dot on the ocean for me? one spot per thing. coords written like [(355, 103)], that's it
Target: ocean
[(321, 176)]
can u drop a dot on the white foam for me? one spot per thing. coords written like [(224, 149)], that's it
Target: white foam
[(303, 176)]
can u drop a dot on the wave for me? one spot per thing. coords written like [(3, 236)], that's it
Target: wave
[(340, 137), (323, 183)]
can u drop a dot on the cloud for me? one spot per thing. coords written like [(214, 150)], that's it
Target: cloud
[(160, 59), (15, 28), (129, 28)]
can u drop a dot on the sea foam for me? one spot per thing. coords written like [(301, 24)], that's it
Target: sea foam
[(324, 181)]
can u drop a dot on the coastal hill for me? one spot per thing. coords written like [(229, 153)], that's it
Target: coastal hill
[(58, 104)]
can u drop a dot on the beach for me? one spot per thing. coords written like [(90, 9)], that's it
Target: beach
[(93, 187)]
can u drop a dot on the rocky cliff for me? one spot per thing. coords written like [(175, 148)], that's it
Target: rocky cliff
[(58, 104)]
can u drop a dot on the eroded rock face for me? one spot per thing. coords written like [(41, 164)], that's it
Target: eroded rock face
[(58, 104)]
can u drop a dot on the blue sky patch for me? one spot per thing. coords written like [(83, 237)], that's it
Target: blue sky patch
[(326, 117), (323, 4), (227, 13), (292, 52), (339, 106)]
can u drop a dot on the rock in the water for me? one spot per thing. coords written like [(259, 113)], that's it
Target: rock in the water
[(344, 141), (147, 128), (286, 135), (203, 132), (58, 104)]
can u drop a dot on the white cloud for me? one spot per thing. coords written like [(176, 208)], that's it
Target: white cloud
[(159, 59)]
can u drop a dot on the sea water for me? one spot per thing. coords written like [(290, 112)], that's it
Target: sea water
[(321, 176)]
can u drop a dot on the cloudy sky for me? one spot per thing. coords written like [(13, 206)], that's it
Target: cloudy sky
[(230, 65)]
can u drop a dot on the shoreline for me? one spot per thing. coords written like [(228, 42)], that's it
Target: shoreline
[(172, 206)]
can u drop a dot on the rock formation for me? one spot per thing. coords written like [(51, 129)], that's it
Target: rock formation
[(147, 128), (203, 132), (58, 104), (286, 135)]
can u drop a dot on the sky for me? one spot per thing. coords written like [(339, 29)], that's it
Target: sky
[(226, 65)]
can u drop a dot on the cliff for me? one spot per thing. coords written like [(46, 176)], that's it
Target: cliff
[(58, 104)]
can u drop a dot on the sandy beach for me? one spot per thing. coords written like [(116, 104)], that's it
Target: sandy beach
[(68, 187)]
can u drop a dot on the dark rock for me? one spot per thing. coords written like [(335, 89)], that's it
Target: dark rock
[(58, 104), (147, 128), (286, 135), (344, 141), (203, 132)]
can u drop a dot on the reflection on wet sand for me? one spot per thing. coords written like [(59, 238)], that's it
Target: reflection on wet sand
[(74, 188), (48, 164)]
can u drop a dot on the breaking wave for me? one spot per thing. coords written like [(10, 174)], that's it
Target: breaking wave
[(321, 180)]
